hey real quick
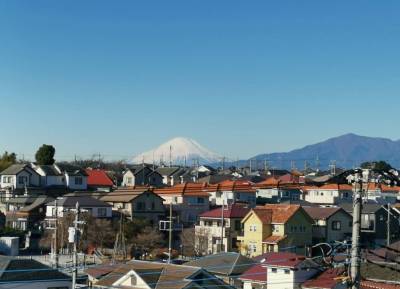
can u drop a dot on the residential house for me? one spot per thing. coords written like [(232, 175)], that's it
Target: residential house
[(150, 275), (329, 194), (98, 180), (141, 175), (50, 175), (275, 191), (174, 175), (143, 204), (75, 177), (14, 274), (17, 178), (374, 219), (30, 215), (275, 228), (229, 192), (281, 270), (188, 201), (226, 266), (62, 175), (63, 205), (382, 194), (330, 224), (209, 230)]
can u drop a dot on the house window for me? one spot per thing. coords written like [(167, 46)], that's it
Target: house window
[(200, 200), (153, 206), (7, 180), (274, 270), (345, 195), (102, 212), (78, 181), (140, 206), (287, 271), (253, 228), (253, 247), (238, 225), (129, 180), (22, 180), (275, 228), (336, 225)]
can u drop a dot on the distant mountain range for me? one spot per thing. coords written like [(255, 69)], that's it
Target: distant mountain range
[(346, 151)]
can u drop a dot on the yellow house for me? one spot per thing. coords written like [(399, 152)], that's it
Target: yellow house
[(275, 228)]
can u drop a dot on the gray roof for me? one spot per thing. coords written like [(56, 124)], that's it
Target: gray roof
[(25, 200), (41, 200), (72, 170), (20, 270), (366, 208), (14, 169), (167, 171), (84, 201), (227, 264), (50, 170)]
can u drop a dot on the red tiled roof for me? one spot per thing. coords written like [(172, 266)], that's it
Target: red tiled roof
[(98, 178), (326, 280), (339, 187), (274, 239), (256, 273), (321, 213), (233, 211), (280, 259)]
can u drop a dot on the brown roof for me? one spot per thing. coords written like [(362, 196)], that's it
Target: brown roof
[(124, 196), (321, 213), (274, 239)]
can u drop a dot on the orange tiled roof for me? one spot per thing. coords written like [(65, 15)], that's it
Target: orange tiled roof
[(264, 215), (187, 189), (281, 213), (274, 239)]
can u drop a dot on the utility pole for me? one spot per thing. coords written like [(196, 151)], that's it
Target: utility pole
[(170, 156), (75, 255), (56, 236), (222, 224), (355, 246), (170, 233), (388, 225)]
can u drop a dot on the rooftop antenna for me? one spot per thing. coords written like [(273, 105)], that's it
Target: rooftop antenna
[(143, 171), (170, 156)]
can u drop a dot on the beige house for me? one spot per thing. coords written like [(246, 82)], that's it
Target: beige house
[(275, 228), (143, 204)]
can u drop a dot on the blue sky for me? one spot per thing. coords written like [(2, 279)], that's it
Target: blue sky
[(240, 77)]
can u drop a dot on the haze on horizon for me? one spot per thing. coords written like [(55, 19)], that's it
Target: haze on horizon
[(240, 79)]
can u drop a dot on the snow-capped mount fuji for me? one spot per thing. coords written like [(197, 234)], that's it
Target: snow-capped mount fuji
[(180, 149)]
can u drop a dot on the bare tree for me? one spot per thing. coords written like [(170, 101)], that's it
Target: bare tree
[(202, 236), (148, 240)]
